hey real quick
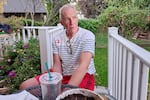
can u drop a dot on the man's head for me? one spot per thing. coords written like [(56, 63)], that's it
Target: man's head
[(68, 18)]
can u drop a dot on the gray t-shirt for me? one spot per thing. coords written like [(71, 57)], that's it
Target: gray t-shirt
[(69, 51)]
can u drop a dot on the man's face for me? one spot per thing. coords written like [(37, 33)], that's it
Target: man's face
[(69, 20)]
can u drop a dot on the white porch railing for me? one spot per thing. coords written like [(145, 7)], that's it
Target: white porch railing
[(128, 70), (43, 33), (45, 38)]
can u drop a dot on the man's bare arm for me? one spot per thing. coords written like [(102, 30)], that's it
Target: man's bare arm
[(82, 68), (57, 64)]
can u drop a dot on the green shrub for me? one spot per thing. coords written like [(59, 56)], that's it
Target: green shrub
[(15, 22), (90, 24), (20, 63), (127, 20), (136, 19), (29, 21), (111, 16), (18, 22)]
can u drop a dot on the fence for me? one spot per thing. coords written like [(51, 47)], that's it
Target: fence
[(128, 70), (45, 38), (44, 34)]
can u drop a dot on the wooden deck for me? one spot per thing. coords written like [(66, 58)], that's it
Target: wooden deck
[(101, 89)]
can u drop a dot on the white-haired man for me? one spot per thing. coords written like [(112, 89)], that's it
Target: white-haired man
[(73, 52)]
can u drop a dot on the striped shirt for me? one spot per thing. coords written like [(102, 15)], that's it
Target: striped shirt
[(69, 50)]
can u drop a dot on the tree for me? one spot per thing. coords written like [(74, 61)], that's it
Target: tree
[(31, 7), (52, 8), (142, 4), (91, 8)]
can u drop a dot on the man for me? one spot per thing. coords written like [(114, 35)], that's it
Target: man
[(73, 52)]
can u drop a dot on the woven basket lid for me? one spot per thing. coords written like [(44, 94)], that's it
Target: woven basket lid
[(84, 92)]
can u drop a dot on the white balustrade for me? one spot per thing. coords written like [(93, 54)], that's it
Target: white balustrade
[(45, 39), (128, 66), (26, 33)]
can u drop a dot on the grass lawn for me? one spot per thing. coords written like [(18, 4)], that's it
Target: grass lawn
[(101, 59), (101, 62), (101, 66)]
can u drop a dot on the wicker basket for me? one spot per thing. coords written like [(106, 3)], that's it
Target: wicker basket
[(79, 94)]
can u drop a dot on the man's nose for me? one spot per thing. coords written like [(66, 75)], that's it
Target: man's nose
[(71, 21)]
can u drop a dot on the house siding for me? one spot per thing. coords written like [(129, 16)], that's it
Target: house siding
[(22, 6)]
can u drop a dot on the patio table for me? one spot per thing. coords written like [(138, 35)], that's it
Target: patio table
[(36, 91)]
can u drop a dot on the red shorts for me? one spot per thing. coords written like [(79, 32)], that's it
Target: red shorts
[(88, 81)]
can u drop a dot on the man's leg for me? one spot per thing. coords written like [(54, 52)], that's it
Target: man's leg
[(28, 83), (88, 82)]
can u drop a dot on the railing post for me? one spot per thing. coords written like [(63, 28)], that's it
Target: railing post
[(29, 34), (14, 36), (45, 46), (34, 33), (111, 30), (18, 35), (23, 35)]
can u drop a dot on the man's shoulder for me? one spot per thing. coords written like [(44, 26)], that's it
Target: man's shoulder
[(84, 29), (87, 33), (59, 34)]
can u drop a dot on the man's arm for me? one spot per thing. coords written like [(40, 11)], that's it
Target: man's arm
[(82, 68), (57, 64)]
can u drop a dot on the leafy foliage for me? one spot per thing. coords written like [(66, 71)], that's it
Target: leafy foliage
[(21, 63), (142, 4), (127, 20), (91, 8), (90, 24), (29, 22), (14, 22), (111, 16), (52, 8)]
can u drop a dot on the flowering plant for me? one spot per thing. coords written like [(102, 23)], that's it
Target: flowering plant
[(21, 62)]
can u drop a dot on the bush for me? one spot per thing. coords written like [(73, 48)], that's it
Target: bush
[(127, 20), (29, 21), (136, 20), (16, 23), (90, 24), (21, 63)]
